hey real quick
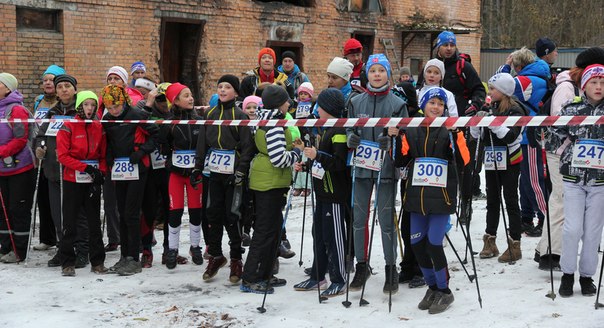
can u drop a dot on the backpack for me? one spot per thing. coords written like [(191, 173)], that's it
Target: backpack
[(546, 108), (459, 67)]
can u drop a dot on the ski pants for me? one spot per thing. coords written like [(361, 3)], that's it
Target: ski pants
[(177, 186), (508, 181), (427, 233), (129, 200), (219, 211), (156, 188), (17, 200), (532, 184)]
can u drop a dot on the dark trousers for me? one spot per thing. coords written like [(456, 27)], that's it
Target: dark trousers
[(263, 248), (86, 197), (129, 201), (532, 184), (409, 265), (48, 234), (508, 181), (56, 203), (111, 213), (219, 215), (329, 237), (156, 189), (17, 199), (470, 184)]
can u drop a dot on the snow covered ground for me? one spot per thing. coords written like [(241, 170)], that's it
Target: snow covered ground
[(33, 295)]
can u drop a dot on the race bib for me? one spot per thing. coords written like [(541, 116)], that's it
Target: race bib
[(206, 165), (495, 155), (222, 161), (368, 156), (158, 161), (355, 82), (317, 170), (430, 172), (41, 113), (587, 153), (123, 170), (54, 127), (83, 177), (303, 110), (184, 159)]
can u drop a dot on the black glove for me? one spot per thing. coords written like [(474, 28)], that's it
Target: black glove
[(384, 142), (353, 141), (471, 110), (236, 179), (136, 157), (533, 137), (96, 174), (195, 178)]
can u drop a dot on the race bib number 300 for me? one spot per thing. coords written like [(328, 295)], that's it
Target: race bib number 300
[(587, 153), (54, 127), (123, 170), (429, 172), (83, 177), (222, 161), (495, 155), (368, 156), (184, 159)]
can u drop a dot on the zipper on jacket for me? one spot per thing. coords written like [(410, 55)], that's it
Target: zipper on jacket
[(220, 126)]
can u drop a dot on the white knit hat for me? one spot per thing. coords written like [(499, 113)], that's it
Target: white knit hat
[(503, 82), (9, 80), (340, 67), (119, 71), (438, 64)]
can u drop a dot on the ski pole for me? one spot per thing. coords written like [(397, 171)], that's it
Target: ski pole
[(314, 227), (32, 226), (347, 303), (303, 215), (10, 231), (393, 219), (598, 304), (552, 293)]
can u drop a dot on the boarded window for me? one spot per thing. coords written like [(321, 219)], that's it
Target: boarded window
[(365, 5), (38, 19), (301, 3)]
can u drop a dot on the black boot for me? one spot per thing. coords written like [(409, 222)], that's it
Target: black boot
[(360, 276), (566, 285), (391, 283), (587, 286)]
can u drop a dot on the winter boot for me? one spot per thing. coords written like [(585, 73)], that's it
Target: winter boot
[(118, 265), (514, 254), (442, 301), (284, 251), (428, 299), (566, 285), (417, 281), (81, 260), (490, 247), (214, 264), (68, 271), (9, 257), (236, 271), (391, 283), (55, 261), (545, 264), (587, 286), (99, 269), (171, 258), (361, 275), (147, 259), (196, 255), (130, 267)]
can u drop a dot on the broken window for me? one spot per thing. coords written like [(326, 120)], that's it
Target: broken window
[(365, 5), (38, 19), (301, 3)]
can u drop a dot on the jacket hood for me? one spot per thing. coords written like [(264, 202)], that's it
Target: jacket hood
[(539, 68), (563, 77), (13, 97), (294, 72)]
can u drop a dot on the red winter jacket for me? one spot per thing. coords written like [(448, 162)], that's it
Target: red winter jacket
[(81, 141)]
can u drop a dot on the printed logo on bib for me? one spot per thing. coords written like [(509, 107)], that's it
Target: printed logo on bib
[(355, 82), (429, 172), (158, 161), (184, 159), (123, 170), (41, 113), (206, 165), (587, 153), (368, 156), (303, 109), (83, 177), (495, 155), (54, 127), (222, 161), (317, 170)]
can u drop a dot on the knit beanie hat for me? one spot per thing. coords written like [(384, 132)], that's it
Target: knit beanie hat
[(433, 93), (332, 101), (274, 96), (119, 71), (405, 70), (544, 46), (84, 95), (66, 78), (288, 54), (114, 95), (251, 100), (593, 55), (230, 79), (54, 70), (144, 83), (445, 37), (265, 51), (503, 82), (591, 71), (137, 66), (352, 46), (438, 64), (173, 90), (340, 67), (161, 88), (306, 87), (9, 80), (378, 59)]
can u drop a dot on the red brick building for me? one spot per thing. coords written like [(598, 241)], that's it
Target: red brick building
[(197, 41)]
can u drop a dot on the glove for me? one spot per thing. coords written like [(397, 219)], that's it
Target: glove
[(96, 174), (353, 141), (195, 178), (236, 179), (384, 142), (471, 110), (482, 113), (136, 157), (533, 138), (499, 131), (40, 152)]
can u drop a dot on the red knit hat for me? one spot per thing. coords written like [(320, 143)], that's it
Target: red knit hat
[(173, 90), (352, 46), (265, 51)]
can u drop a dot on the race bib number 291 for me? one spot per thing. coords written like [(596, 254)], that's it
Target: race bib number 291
[(368, 156)]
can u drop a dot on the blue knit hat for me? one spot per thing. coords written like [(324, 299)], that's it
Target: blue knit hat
[(445, 37), (137, 66), (378, 59), (433, 93), (54, 70)]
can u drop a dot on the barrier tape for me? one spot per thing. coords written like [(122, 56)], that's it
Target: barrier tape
[(448, 122)]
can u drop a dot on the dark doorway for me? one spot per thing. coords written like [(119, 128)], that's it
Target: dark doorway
[(366, 39), (281, 46), (179, 45)]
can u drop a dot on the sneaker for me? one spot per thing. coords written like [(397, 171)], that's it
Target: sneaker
[(55, 261), (81, 260), (43, 247), (334, 289), (428, 299), (196, 255), (362, 274), (587, 286), (214, 264), (130, 267), (111, 247), (236, 270), (441, 302), (545, 264), (147, 259), (117, 265), (309, 284), (246, 240), (9, 257), (68, 271), (284, 252), (417, 281), (171, 258), (277, 282), (255, 287), (566, 285), (99, 269), (297, 192)]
